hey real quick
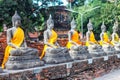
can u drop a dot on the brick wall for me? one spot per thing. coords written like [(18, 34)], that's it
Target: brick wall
[(75, 70)]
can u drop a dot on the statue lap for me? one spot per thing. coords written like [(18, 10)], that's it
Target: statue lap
[(23, 59), (79, 52), (57, 55)]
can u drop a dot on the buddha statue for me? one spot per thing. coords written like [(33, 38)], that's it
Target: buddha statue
[(52, 52), (115, 37), (17, 54), (93, 47), (105, 42), (77, 50)]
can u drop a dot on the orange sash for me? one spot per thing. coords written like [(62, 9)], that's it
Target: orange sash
[(92, 39), (116, 39), (105, 39), (75, 38)]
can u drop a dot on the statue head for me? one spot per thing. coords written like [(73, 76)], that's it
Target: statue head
[(4, 27), (90, 25), (115, 27), (16, 20), (73, 24), (50, 23), (103, 27)]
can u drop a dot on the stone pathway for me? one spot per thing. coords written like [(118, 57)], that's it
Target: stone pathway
[(115, 75)]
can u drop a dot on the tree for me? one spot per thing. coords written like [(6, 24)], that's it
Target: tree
[(25, 10), (107, 12)]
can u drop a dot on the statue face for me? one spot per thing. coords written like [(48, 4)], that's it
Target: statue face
[(104, 29), (17, 23), (115, 29), (73, 26), (90, 28), (51, 25)]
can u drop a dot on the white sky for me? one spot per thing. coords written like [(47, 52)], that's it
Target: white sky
[(65, 2)]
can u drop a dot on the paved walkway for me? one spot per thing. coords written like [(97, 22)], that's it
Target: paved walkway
[(115, 75)]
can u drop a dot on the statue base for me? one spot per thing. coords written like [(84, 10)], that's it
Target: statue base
[(57, 55), (23, 59), (79, 55), (97, 54)]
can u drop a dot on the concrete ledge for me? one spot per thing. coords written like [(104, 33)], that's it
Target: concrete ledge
[(81, 69)]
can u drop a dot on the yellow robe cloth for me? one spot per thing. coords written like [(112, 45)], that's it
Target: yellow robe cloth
[(52, 40), (17, 40), (75, 38), (116, 39), (92, 39), (105, 39)]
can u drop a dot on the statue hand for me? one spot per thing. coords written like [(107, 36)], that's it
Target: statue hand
[(53, 46), (16, 47), (77, 45), (22, 48), (105, 43), (91, 43)]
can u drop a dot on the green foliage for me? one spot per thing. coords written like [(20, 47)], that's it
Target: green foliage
[(107, 12), (25, 10)]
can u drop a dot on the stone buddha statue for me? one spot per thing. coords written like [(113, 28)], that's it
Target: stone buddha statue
[(77, 51), (105, 42), (93, 47), (115, 37), (52, 52), (17, 54)]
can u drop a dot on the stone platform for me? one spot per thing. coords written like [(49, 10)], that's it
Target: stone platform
[(79, 69)]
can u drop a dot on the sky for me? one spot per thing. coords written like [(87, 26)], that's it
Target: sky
[(65, 2)]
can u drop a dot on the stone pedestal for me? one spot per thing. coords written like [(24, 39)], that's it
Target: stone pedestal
[(78, 69), (79, 53), (109, 50), (96, 51), (57, 55), (23, 59)]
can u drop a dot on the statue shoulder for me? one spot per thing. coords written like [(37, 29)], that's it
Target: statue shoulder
[(45, 31), (9, 30), (113, 34), (88, 32), (101, 33), (70, 32)]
